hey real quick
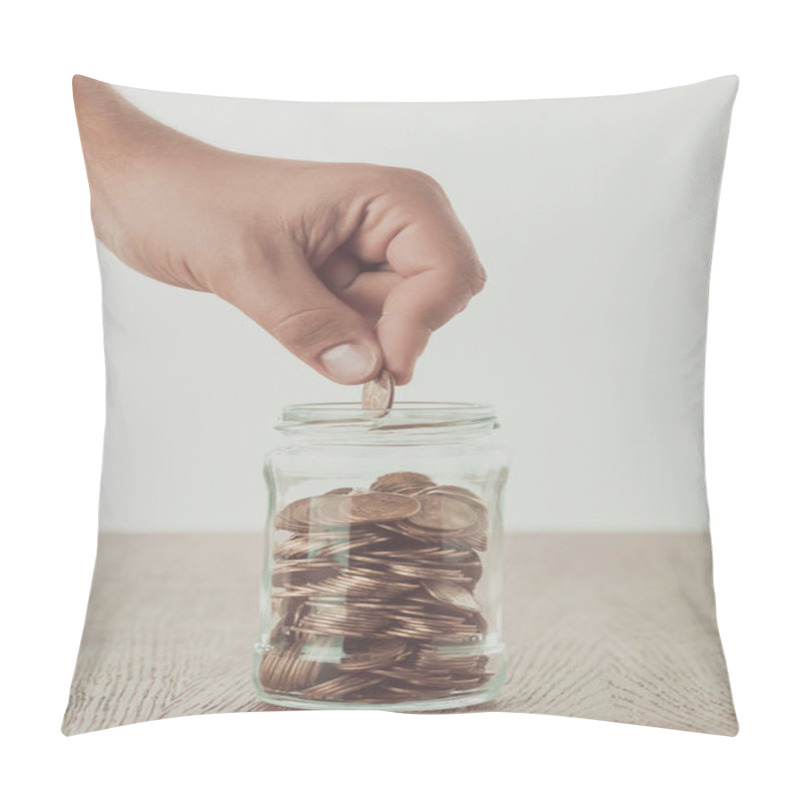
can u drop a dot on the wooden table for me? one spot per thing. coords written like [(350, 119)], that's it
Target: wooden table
[(617, 627)]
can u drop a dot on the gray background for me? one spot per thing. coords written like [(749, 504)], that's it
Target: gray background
[(594, 218)]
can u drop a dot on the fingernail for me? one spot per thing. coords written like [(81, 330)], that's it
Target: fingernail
[(350, 363)]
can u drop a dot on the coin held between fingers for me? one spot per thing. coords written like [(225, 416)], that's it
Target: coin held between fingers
[(378, 394)]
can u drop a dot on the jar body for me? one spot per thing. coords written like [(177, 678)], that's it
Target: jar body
[(382, 584)]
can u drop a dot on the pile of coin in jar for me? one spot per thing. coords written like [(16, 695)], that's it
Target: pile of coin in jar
[(392, 570)]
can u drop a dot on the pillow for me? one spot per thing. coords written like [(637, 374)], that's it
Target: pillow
[(594, 219)]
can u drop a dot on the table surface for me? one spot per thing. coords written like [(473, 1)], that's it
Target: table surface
[(617, 627)]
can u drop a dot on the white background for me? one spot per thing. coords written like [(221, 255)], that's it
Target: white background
[(53, 396)]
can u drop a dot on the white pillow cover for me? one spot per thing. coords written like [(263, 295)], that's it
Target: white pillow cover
[(594, 218)]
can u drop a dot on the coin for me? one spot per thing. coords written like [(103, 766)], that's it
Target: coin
[(443, 513), (379, 507), (458, 491), (310, 543), (430, 680), (378, 394), (472, 569), (375, 655), (407, 692), (301, 564), (295, 516), (423, 572), (353, 543), (402, 482), (478, 541), (340, 687), (434, 658), (407, 527), (343, 620), (301, 571), (328, 511), (357, 581), (285, 670), (452, 594)]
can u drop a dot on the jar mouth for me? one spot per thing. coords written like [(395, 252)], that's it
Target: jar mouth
[(408, 417)]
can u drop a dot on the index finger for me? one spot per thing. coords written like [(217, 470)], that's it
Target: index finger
[(441, 274)]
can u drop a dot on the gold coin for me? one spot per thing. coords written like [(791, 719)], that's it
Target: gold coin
[(353, 543), (379, 507), (408, 692), (345, 622), (305, 543), (295, 516), (474, 538), (436, 659), (441, 680), (441, 512), (286, 671), (402, 482), (452, 594), (341, 686), (377, 395), (375, 655), (328, 510), (472, 569), (288, 578), (425, 535), (423, 572), (357, 581), (457, 491)]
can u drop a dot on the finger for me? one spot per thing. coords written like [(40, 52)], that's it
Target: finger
[(364, 289), (368, 292), (339, 270), (442, 273), (284, 296)]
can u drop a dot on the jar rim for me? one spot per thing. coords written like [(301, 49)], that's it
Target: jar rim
[(406, 416)]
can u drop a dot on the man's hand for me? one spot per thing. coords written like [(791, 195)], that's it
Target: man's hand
[(350, 266)]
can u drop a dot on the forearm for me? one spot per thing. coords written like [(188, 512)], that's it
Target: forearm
[(113, 130)]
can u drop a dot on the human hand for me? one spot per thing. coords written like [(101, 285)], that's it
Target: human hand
[(350, 266)]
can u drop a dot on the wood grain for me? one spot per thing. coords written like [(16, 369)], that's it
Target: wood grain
[(617, 627)]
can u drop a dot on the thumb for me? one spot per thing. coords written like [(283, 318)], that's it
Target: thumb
[(285, 297)]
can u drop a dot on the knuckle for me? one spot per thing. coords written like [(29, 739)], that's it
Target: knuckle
[(427, 182), (468, 278), (471, 272), (418, 182), (477, 280), (465, 300)]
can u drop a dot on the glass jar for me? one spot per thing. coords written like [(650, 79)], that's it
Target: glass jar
[(382, 583)]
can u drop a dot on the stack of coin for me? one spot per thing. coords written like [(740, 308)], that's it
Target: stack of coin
[(375, 593)]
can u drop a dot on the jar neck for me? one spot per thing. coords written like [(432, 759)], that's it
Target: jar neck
[(404, 424)]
